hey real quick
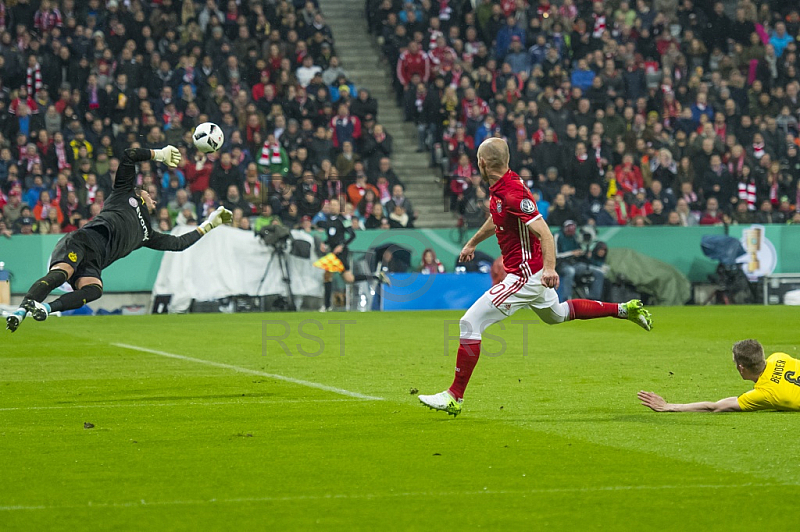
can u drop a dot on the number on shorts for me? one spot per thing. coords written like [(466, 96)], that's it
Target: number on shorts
[(496, 289)]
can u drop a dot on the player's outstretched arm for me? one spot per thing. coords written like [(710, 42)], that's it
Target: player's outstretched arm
[(468, 251), (657, 403), (165, 242), (126, 174)]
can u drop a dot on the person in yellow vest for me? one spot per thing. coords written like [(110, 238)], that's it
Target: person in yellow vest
[(777, 384)]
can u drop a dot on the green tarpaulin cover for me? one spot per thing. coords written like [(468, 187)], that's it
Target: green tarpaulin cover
[(665, 284)]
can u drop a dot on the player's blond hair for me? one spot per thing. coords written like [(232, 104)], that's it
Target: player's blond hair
[(495, 152), (749, 354)]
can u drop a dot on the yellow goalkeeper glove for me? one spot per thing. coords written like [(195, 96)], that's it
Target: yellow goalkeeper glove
[(168, 155), (217, 218)]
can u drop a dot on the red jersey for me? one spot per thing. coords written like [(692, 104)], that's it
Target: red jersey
[(409, 64), (512, 207)]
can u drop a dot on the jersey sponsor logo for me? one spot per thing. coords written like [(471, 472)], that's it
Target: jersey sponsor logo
[(527, 206), (73, 256), (790, 377), (145, 229)]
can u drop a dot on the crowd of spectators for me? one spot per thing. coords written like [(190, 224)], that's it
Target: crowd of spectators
[(623, 112), (80, 80)]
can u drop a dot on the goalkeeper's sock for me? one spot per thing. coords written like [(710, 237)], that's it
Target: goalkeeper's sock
[(586, 309), (77, 299), (328, 291), (468, 353), (42, 288), (363, 277)]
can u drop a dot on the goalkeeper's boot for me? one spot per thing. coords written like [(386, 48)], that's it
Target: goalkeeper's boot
[(635, 312), (442, 401), (14, 319), (384, 279), (39, 311)]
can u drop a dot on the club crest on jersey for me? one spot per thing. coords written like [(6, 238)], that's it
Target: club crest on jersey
[(132, 202), (527, 206), (499, 206)]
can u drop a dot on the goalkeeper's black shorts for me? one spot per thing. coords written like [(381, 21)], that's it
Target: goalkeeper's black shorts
[(81, 251)]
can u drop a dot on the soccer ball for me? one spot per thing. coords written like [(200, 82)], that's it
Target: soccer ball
[(208, 137)]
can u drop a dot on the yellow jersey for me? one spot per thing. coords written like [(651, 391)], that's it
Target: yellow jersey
[(778, 388)]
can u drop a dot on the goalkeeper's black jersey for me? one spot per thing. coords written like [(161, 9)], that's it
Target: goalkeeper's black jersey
[(124, 224)]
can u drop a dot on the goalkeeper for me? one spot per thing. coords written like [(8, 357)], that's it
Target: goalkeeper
[(122, 226)]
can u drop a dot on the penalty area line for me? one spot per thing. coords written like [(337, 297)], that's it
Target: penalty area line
[(248, 371)]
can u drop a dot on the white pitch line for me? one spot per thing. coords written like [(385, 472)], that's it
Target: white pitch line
[(190, 403), (239, 369), (372, 496)]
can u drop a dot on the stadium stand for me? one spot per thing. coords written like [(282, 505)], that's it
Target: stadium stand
[(662, 104), (681, 113), (81, 81)]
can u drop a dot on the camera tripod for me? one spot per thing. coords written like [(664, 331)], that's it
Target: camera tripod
[(279, 251)]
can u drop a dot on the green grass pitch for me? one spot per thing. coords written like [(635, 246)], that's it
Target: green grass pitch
[(550, 438)]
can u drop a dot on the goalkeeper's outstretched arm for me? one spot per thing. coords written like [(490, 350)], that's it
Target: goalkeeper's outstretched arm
[(126, 174), (165, 242)]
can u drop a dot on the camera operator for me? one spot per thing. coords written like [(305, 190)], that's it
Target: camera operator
[(572, 261)]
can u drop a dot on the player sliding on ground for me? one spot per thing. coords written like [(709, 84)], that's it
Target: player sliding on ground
[(530, 260), (777, 384), (121, 227)]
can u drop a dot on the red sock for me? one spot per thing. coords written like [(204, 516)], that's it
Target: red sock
[(467, 358), (586, 309)]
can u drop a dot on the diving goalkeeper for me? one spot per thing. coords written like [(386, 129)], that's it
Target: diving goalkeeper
[(121, 227)]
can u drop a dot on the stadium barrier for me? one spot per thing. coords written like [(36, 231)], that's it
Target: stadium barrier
[(26, 257)]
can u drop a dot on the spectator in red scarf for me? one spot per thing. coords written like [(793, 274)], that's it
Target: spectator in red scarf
[(73, 211), (47, 17), (253, 191), (640, 206), (460, 144), (472, 106), (629, 176), (465, 168)]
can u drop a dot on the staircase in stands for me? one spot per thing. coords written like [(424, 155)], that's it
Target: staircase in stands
[(360, 57)]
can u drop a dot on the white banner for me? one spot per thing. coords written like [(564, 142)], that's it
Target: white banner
[(229, 262)]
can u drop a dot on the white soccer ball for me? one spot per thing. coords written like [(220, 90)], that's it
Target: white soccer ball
[(208, 137)]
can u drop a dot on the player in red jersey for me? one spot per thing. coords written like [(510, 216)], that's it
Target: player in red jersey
[(529, 258)]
